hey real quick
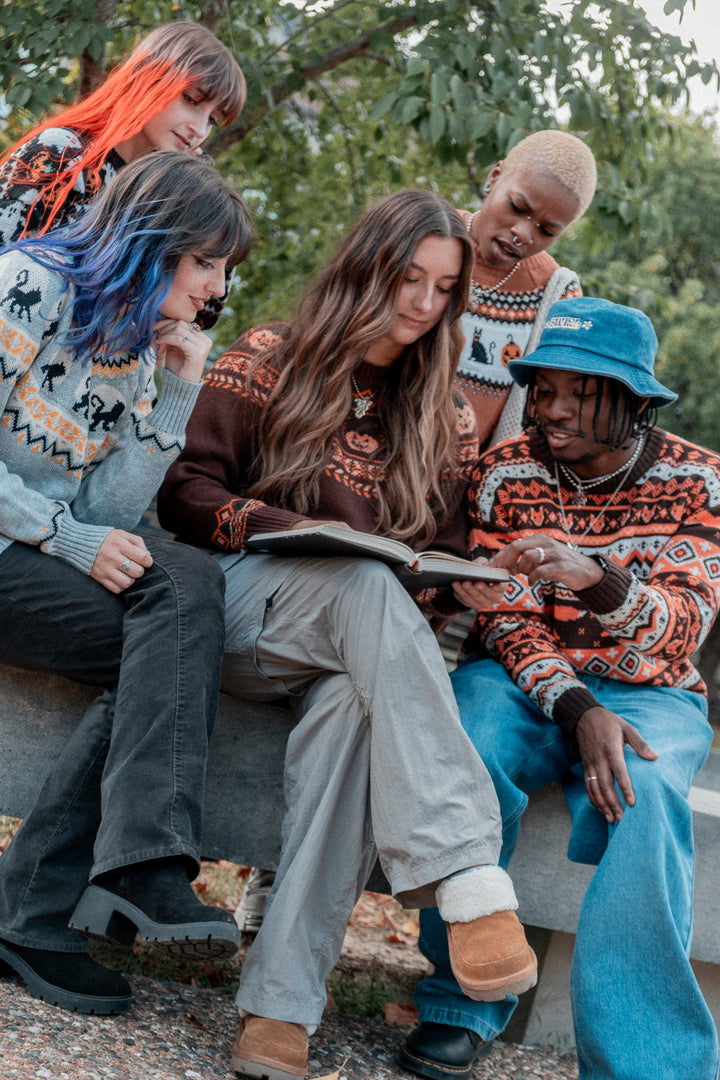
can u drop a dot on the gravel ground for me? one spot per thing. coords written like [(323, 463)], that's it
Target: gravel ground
[(174, 1032)]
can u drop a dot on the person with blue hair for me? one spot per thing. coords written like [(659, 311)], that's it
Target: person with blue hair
[(87, 313)]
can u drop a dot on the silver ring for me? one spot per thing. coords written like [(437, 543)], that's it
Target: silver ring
[(517, 241), (125, 566), (541, 560), (195, 328), (589, 778)]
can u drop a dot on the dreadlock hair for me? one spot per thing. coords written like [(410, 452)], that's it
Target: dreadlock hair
[(121, 256), (171, 59), (352, 305), (628, 415)]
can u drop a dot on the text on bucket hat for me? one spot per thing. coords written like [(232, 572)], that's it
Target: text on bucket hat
[(597, 337)]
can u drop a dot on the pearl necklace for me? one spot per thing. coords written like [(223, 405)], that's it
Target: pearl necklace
[(363, 401), (624, 470), (476, 284), (581, 485)]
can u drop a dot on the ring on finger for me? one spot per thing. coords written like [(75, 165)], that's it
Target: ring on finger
[(125, 566), (195, 328), (589, 778), (541, 553)]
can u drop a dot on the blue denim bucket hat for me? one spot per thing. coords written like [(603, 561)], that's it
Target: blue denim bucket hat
[(597, 337)]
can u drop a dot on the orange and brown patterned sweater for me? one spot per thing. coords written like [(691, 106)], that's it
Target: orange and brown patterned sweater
[(644, 620), (203, 501)]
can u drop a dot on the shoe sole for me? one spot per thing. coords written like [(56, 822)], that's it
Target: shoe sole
[(248, 922), (437, 1070), (94, 1004), (107, 917), (500, 991), (263, 1070)]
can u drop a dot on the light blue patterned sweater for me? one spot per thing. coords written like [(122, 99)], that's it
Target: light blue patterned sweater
[(83, 446)]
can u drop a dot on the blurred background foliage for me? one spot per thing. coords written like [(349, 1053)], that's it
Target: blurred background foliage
[(350, 99)]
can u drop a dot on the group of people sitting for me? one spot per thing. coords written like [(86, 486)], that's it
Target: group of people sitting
[(444, 383)]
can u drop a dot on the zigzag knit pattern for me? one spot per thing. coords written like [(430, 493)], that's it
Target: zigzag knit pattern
[(642, 623), (205, 502), (81, 443), (497, 327)]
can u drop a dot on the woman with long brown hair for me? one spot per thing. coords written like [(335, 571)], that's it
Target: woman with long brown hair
[(349, 416)]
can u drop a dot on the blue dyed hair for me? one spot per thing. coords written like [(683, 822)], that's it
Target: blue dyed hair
[(122, 254)]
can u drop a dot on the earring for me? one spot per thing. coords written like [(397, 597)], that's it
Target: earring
[(487, 188)]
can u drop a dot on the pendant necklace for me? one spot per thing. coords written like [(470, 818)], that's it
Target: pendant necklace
[(363, 400), (475, 286), (581, 485), (623, 472)]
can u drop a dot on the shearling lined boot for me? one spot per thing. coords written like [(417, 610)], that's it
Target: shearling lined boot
[(489, 953)]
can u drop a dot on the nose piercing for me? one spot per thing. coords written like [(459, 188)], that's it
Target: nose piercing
[(517, 241)]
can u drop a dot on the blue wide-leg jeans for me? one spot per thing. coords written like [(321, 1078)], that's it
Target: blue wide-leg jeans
[(129, 784), (637, 1008)]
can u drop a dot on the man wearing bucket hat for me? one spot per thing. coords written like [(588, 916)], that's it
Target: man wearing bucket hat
[(582, 674)]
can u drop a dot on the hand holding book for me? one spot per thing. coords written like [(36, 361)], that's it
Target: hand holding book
[(419, 570)]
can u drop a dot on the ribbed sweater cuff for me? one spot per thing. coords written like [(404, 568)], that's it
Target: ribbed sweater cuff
[(176, 402), (610, 592), (76, 543), (269, 519), (570, 706)]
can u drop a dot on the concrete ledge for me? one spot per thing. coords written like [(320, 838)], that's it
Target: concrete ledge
[(244, 801)]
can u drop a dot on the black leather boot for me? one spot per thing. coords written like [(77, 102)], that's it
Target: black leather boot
[(441, 1051)]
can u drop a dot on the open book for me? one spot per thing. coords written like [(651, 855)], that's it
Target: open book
[(422, 569)]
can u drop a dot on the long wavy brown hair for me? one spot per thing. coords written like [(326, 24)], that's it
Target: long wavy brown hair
[(352, 304)]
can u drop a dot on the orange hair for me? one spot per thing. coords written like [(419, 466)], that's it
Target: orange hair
[(167, 62)]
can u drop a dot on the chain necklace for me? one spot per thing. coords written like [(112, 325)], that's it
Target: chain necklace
[(625, 469), (581, 485), (363, 400), (476, 284)]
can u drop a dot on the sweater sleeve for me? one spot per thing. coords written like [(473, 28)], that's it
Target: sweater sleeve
[(118, 491), (202, 499), (642, 623), (63, 504)]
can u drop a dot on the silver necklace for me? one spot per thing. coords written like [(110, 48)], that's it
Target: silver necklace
[(476, 284), (625, 469), (362, 401), (581, 485)]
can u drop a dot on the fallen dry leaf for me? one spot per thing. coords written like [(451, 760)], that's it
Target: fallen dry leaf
[(396, 1013), (335, 1075)]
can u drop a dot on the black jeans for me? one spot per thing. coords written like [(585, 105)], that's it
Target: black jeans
[(129, 784)]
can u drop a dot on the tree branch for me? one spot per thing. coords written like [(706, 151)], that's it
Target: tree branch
[(253, 115)]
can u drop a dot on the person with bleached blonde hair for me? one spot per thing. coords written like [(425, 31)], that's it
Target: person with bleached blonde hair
[(545, 182)]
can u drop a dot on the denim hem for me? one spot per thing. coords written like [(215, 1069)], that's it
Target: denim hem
[(458, 1018), (179, 851), (74, 943)]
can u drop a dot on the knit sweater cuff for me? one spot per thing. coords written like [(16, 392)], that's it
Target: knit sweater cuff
[(76, 543), (263, 518), (570, 706), (610, 592), (176, 402)]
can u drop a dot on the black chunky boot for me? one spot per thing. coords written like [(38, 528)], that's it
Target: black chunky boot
[(71, 980), (155, 899)]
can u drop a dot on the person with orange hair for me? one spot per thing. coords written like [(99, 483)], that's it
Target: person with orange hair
[(167, 95)]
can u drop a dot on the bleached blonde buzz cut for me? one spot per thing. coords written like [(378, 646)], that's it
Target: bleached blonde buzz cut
[(561, 155)]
